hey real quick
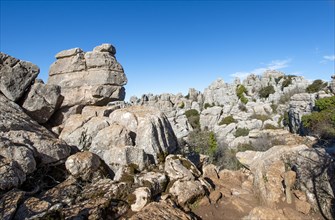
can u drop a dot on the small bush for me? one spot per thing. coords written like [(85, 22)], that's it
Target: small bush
[(260, 117), (193, 118), (321, 124), (181, 105), (207, 105), (244, 100), (240, 91), (316, 86), (266, 91), (270, 126), (325, 103), (227, 120), (242, 132)]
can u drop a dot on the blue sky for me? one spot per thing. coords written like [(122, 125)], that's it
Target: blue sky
[(170, 46)]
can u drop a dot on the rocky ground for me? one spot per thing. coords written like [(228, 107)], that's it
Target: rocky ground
[(73, 149)]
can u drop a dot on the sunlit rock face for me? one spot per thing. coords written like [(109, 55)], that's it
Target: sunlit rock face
[(88, 78)]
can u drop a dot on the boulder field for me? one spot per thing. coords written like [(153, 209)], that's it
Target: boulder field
[(73, 149)]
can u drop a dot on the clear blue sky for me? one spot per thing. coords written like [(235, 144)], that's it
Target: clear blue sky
[(170, 46)]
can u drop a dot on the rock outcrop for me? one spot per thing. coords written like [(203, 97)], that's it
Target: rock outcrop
[(25, 141), (16, 76), (300, 104), (42, 101), (88, 78)]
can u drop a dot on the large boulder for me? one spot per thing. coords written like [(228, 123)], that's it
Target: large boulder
[(151, 129), (16, 76), (300, 104), (160, 211), (91, 78), (42, 101), (25, 141)]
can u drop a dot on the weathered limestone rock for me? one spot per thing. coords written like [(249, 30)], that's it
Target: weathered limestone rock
[(9, 203), (72, 199), (85, 165), (187, 191), (42, 101), (91, 78), (22, 155), (268, 168), (155, 181), (18, 129), (111, 137), (153, 132), (11, 175), (160, 211), (80, 130), (210, 171), (122, 156), (143, 197), (180, 168), (220, 93), (210, 117), (15, 76), (300, 104)]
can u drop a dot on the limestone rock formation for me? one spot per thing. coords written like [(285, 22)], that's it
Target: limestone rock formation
[(42, 101), (300, 104), (18, 129), (332, 84), (15, 76), (151, 130), (91, 78)]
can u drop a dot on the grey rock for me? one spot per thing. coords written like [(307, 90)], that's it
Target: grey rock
[(11, 174), (153, 131), (113, 136), (79, 130), (300, 104), (42, 101), (85, 165), (21, 154), (122, 156), (143, 197), (91, 78), (18, 129), (180, 168), (68, 53), (156, 182), (9, 203), (187, 191), (16, 76)]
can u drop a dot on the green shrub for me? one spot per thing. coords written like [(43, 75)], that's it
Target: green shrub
[(193, 118), (181, 105), (243, 99), (316, 86), (266, 91), (270, 126), (207, 105), (260, 117), (227, 120), (242, 132), (321, 124), (240, 91), (325, 103)]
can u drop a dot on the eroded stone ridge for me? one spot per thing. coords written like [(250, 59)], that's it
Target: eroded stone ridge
[(88, 78)]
